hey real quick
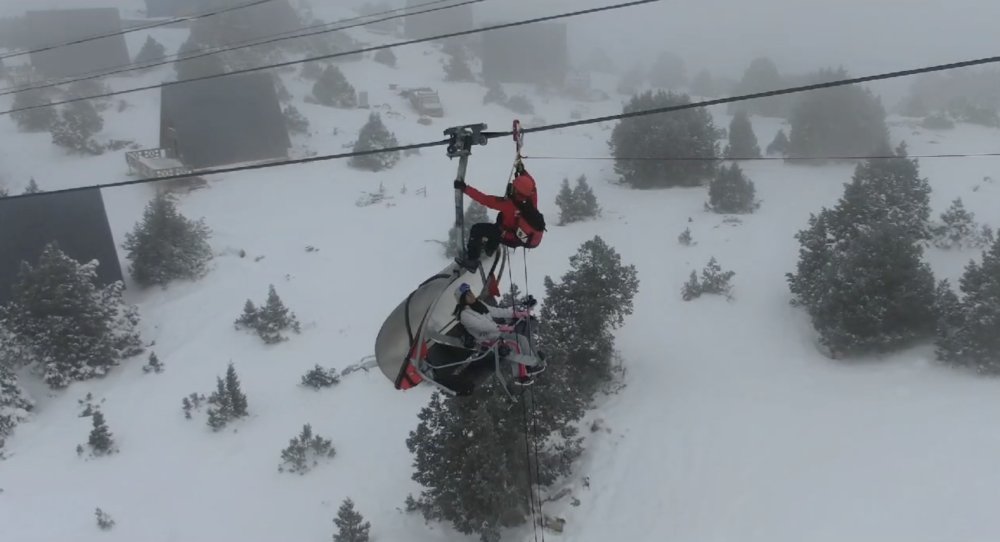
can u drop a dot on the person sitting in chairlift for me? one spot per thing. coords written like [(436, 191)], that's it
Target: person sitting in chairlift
[(478, 320)]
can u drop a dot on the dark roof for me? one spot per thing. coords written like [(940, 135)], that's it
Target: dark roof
[(77, 221), (59, 26), (526, 54), (223, 121), (437, 22)]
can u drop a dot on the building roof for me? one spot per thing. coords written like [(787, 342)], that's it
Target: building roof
[(223, 121), (46, 28), (77, 221)]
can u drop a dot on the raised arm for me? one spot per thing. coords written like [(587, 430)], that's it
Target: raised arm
[(493, 202)]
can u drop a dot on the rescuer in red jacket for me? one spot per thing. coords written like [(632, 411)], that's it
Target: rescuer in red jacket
[(519, 222)]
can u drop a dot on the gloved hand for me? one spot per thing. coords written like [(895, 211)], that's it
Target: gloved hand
[(459, 184), (530, 301), (505, 328), (518, 315)]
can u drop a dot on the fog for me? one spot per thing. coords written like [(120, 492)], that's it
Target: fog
[(723, 36)]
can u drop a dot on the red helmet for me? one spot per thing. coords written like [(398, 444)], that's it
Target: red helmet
[(524, 186)]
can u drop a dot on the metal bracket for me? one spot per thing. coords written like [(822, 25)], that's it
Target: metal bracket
[(461, 139)]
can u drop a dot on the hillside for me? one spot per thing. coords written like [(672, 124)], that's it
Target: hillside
[(731, 425)]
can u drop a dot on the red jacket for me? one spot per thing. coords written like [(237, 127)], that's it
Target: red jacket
[(515, 229)]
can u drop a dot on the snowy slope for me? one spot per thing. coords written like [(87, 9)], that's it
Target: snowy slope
[(731, 427)]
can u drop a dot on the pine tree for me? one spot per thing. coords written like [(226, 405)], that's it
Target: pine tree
[(564, 201), (495, 94), (742, 141), (75, 129), (692, 288), (304, 448), (351, 525), (958, 228), (32, 187), (318, 377), (104, 520), (165, 245), (760, 76), (577, 319), (295, 121), (333, 89), (374, 136), (968, 329), (221, 409), (731, 192), (474, 214), (14, 402), (39, 119), (274, 317), (838, 121), (860, 275), (779, 145), (237, 400), (100, 439), (151, 51), (684, 133), (685, 237), (154, 365), (385, 56), (61, 320)]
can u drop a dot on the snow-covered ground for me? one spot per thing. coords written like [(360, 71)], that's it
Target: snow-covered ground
[(731, 426)]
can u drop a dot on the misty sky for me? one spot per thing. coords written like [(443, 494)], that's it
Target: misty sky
[(865, 36)]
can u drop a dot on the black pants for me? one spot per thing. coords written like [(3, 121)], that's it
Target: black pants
[(483, 230)]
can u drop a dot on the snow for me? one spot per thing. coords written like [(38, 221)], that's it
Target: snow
[(731, 424)]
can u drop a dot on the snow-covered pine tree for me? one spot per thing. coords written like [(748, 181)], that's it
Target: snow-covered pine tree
[(165, 245), (760, 76), (38, 119), (474, 214), (333, 89), (453, 441), (75, 128), (59, 319), (692, 288), (778, 145), (732, 192), (249, 317), (576, 323), (154, 365), (860, 274), (968, 330), (495, 94), (14, 402), (101, 440), (304, 451), (742, 141), (152, 51), (351, 525), (385, 56), (274, 318), (714, 280), (374, 136), (319, 377), (684, 133), (958, 228), (295, 121)]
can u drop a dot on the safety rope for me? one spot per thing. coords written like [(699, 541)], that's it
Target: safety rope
[(527, 455)]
